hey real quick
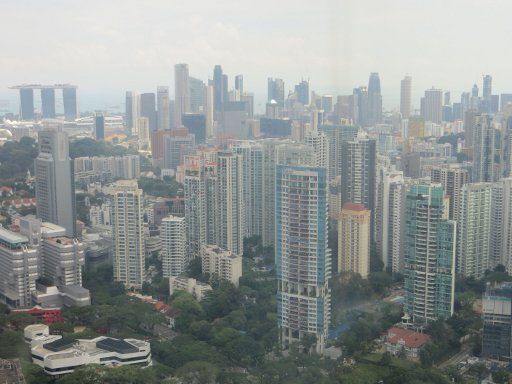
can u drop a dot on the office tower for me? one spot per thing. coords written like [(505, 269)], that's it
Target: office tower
[(162, 100), (446, 99), (374, 99), (303, 259), (18, 269), (415, 127), (487, 88), (181, 92), (327, 103), (452, 179), (132, 113), (505, 99), (429, 259), (176, 146), (285, 152), (55, 188), (128, 234), (320, 143), (99, 126), (497, 322), (276, 91), (196, 125), (209, 110), (197, 93), (390, 220), (302, 91), (354, 239), (174, 246), (473, 230), (239, 84), (62, 260), (69, 101), (172, 120), (484, 149), (336, 134), (252, 164), (230, 211), (358, 172), (218, 88), (148, 109), (48, 102), (225, 89), (144, 135), (405, 97), (474, 91), (359, 107), (433, 105), (224, 264)]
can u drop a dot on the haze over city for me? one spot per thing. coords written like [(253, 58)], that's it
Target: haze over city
[(106, 47)]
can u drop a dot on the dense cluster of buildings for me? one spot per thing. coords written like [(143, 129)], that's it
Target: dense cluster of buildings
[(425, 193)]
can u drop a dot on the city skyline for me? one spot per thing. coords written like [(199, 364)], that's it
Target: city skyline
[(336, 58)]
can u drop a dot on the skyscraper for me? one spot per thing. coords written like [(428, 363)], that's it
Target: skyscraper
[(128, 234), (69, 101), (197, 95), (239, 84), (390, 220), (218, 88), (230, 222), (162, 100), (501, 224), (148, 109), (276, 91), (452, 179), (374, 99), (99, 126), (48, 102), (484, 149), (433, 105), (405, 97), (18, 269), (354, 239), (358, 172), (302, 91), (27, 104), (336, 135), (174, 246), (473, 230), (430, 246), (303, 259), (132, 113), (55, 188), (181, 92)]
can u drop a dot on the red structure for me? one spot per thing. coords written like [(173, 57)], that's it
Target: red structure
[(46, 316)]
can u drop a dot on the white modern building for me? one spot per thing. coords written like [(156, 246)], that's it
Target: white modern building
[(174, 246), (60, 356), (62, 260), (128, 232)]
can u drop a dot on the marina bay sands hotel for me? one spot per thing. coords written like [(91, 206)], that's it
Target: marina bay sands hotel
[(47, 100)]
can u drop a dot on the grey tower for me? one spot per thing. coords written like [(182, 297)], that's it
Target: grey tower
[(55, 191)]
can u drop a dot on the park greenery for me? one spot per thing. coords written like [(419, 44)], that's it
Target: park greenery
[(86, 147), (16, 158)]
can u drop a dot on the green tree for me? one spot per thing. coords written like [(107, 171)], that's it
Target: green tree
[(198, 372), (501, 376)]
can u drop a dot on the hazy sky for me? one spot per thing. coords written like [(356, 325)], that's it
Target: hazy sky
[(109, 46)]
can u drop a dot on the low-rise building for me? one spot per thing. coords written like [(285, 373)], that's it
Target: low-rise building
[(180, 283), (60, 355), (225, 264), (399, 340)]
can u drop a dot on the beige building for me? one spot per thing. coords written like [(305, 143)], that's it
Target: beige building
[(354, 239), (196, 288), (224, 264)]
